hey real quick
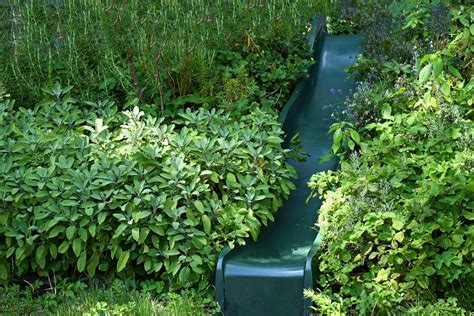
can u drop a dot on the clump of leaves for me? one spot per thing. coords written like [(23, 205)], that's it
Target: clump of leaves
[(100, 191)]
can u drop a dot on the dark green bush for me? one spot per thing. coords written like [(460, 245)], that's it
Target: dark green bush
[(98, 191)]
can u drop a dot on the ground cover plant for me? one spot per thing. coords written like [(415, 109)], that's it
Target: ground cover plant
[(398, 216)]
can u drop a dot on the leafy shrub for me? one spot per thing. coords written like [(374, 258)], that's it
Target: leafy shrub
[(398, 216), (97, 191)]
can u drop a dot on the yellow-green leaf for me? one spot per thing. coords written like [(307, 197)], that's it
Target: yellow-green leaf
[(425, 73), (136, 233), (399, 236)]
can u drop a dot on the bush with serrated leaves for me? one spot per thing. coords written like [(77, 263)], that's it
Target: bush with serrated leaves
[(96, 191)]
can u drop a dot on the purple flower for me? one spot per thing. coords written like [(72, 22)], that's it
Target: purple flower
[(332, 91)]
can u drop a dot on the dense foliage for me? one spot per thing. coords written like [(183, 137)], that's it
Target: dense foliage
[(144, 135), (104, 191), (166, 53), (398, 216), (174, 150)]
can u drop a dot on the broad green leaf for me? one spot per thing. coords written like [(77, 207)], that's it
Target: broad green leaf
[(399, 236), (350, 144), (425, 73), (175, 266), (136, 216), (69, 203), (423, 281), (157, 229), (63, 247), (454, 72), (206, 221), (397, 224), (92, 230), (337, 141), (274, 139), (231, 178), (83, 234), (215, 177), (355, 136), (143, 235), (122, 262), (10, 251), (468, 215), (93, 264), (70, 232), (81, 262), (77, 246), (382, 275), (170, 252), (53, 250), (119, 230), (437, 66), (40, 256), (147, 265), (199, 206), (119, 216), (445, 88), (386, 111), (184, 275), (19, 252), (88, 205), (157, 266), (101, 217), (144, 214), (56, 231), (136, 233)]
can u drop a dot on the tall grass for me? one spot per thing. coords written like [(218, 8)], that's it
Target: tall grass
[(155, 50)]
